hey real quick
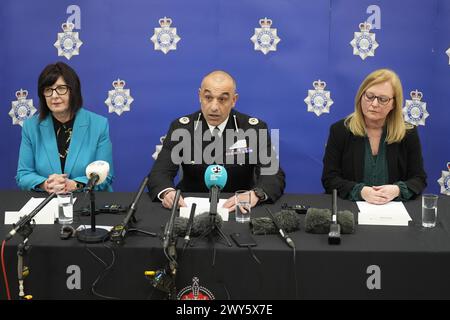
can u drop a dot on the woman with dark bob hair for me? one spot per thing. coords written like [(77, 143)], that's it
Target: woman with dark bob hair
[(59, 143), (372, 154)]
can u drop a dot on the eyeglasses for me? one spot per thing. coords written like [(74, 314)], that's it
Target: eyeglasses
[(382, 100), (60, 90)]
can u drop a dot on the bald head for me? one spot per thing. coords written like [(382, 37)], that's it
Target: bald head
[(217, 96), (219, 78)]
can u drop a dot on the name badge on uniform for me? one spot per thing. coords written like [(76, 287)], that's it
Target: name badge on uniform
[(239, 147)]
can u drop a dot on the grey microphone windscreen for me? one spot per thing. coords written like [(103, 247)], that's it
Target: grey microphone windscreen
[(319, 220), (200, 224), (180, 226), (288, 220), (346, 219)]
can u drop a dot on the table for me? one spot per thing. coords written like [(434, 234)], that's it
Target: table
[(376, 262)]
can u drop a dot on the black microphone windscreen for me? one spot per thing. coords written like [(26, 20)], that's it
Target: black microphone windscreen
[(319, 220), (287, 219)]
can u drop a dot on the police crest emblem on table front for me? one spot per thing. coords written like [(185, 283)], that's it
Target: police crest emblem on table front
[(68, 43), (265, 38), (22, 108), (415, 111), (319, 100), (119, 99), (165, 38), (364, 43), (444, 181)]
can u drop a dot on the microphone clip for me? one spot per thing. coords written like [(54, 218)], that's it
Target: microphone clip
[(117, 234), (334, 236)]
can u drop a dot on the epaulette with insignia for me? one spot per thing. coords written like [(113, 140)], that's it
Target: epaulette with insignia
[(253, 121), (184, 120)]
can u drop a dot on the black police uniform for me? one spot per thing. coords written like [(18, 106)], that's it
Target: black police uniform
[(243, 165)]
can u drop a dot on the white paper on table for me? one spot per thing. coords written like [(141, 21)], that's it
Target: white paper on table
[(47, 215), (392, 213), (202, 206)]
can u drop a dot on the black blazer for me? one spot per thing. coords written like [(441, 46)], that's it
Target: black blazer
[(343, 162), (242, 175)]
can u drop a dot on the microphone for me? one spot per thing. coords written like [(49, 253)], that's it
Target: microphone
[(318, 221), (118, 232), (281, 231), (27, 218), (334, 236), (97, 172), (289, 221), (215, 179), (168, 232), (189, 225)]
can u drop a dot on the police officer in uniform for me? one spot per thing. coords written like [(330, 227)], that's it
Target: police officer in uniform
[(217, 134)]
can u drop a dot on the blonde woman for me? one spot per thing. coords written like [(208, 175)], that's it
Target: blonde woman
[(372, 154)]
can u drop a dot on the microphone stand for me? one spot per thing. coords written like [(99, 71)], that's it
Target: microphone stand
[(170, 249), (213, 228), (22, 271), (92, 235), (25, 228), (173, 266), (119, 231)]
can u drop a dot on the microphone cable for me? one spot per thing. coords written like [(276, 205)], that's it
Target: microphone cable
[(253, 255), (147, 233), (5, 276), (104, 272)]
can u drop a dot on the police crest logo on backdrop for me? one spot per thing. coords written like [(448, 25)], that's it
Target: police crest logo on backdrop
[(68, 42), (119, 99), (22, 108), (158, 148), (415, 111), (319, 100), (444, 181), (265, 38), (165, 38), (364, 43)]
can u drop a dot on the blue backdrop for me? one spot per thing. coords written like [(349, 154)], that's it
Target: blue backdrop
[(315, 35)]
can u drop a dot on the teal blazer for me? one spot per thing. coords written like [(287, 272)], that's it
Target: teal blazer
[(39, 157)]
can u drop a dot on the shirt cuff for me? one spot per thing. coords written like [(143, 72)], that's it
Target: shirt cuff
[(162, 192), (355, 194), (405, 193)]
